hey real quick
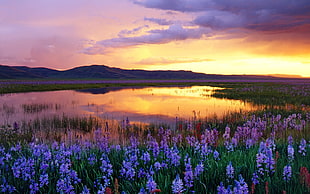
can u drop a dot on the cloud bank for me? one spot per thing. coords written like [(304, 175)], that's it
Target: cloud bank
[(175, 32), (240, 17), (263, 15)]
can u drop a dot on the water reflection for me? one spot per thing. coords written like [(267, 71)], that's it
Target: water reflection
[(148, 104)]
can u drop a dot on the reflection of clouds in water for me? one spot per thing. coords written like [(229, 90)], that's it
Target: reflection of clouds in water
[(186, 102), (103, 112), (156, 104)]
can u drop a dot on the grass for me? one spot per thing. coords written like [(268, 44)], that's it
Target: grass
[(86, 163), (271, 94), (98, 164), (151, 154)]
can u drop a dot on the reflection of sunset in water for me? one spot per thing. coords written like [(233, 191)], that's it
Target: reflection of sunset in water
[(151, 104)]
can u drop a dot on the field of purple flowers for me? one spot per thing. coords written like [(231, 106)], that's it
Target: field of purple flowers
[(265, 154)]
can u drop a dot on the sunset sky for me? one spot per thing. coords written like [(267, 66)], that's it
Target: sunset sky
[(209, 36)]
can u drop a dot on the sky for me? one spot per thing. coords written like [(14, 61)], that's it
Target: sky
[(209, 36)]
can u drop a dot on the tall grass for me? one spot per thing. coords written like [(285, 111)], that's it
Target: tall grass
[(251, 156)]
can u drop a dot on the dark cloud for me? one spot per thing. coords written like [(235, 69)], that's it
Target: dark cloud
[(173, 5), (175, 32), (158, 21), (290, 7), (260, 15)]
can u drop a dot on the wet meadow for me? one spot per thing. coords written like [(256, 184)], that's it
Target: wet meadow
[(260, 150)]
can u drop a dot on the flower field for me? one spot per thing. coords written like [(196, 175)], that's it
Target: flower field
[(264, 154)]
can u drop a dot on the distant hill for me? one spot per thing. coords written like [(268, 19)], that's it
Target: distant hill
[(23, 72), (105, 72)]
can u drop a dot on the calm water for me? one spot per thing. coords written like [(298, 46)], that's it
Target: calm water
[(147, 105)]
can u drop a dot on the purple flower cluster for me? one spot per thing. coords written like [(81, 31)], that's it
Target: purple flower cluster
[(24, 168), (188, 174), (152, 145), (58, 164), (227, 141), (177, 185), (128, 170), (287, 173), (172, 157), (199, 170), (151, 184), (106, 169), (239, 187), (230, 171), (67, 179), (302, 147), (6, 188), (210, 137), (290, 153), (265, 162)]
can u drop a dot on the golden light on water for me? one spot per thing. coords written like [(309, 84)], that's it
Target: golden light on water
[(138, 104)]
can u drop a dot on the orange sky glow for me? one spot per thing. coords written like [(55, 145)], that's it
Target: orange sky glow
[(209, 36)]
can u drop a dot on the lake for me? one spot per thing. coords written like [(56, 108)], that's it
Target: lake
[(137, 104)]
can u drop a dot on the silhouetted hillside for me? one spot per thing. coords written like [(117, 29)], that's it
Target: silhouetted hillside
[(105, 72)]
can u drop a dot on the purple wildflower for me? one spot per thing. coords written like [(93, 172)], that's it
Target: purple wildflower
[(205, 150), (192, 141), (230, 171), (188, 174), (290, 140), (152, 145), (177, 185), (249, 143), (16, 148), (287, 173), (234, 141), (151, 184), (134, 142), (290, 153), (216, 155), (142, 191), (85, 190), (142, 173), (6, 188), (177, 139), (199, 169), (24, 168), (260, 161), (164, 165), (157, 166), (221, 189), (240, 186), (43, 180), (67, 178), (128, 170), (92, 159), (63, 186), (209, 137), (226, 135), (146, 157), (106, 168), (173, 157), (270, 162), (255, 178), (34, 187), (302, 147), (229, 145)]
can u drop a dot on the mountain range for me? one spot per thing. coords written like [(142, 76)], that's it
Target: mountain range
[(105, 72)]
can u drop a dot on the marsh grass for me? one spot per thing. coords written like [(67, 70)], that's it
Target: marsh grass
[(114, 155), (39, 107), (91, 173)]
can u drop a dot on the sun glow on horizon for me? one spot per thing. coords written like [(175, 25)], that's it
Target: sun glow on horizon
[(158, 36)]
